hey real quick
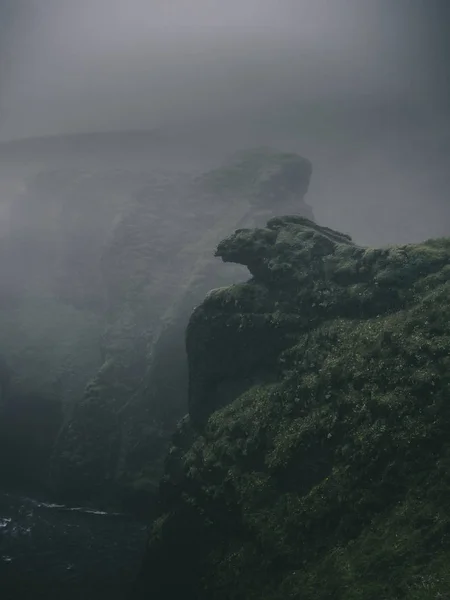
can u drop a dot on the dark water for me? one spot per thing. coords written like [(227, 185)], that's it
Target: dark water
[(55, 552)]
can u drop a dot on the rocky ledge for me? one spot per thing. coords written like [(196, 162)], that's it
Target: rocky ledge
[(315, 461)]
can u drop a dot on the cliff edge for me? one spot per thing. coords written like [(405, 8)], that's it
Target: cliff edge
[(315, 461)]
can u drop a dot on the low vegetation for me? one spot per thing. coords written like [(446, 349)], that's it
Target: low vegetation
[(315, 461)]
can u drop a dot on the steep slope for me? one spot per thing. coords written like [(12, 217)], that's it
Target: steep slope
[(156, 268), (314, 463)]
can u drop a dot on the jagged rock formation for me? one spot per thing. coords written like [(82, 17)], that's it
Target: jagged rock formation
[(315, 460), (101, 270)]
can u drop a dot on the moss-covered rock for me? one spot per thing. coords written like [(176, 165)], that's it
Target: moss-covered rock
[(315, 462)]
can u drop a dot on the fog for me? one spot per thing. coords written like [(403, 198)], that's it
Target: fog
[(110, 64), (111, 114), (358, 86)]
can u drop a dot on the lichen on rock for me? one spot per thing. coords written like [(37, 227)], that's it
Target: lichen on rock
[(315, 460)]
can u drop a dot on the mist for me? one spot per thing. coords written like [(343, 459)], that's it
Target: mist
[(143, 144), (111, 65), (360, 87)]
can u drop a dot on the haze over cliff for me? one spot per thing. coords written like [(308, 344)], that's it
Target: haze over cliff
[(358, 86), (105, 65), (284, 436)]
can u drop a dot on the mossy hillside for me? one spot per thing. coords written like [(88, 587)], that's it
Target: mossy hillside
[(331, 479), (303, 275)]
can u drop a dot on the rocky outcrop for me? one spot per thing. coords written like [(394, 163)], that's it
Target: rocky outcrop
[(314, 462)]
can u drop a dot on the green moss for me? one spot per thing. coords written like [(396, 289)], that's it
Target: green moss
[(331, 480)]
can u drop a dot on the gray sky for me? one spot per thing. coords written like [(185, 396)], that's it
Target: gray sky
[(81, 65)]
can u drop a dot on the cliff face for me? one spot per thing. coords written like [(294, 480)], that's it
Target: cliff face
[(315, 460), (101, 268), (157, 267)]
